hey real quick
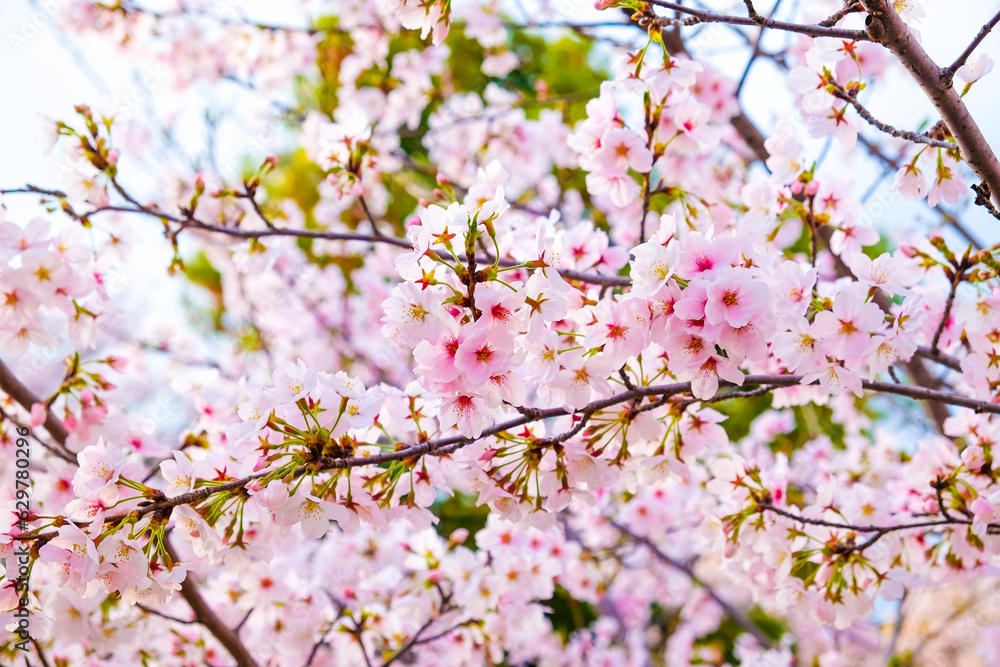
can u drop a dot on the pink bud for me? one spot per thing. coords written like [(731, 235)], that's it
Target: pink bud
[(38, 415), (795, 187), (442, 179), (730, 549), (113, 156), (812, 188), (117, 363)]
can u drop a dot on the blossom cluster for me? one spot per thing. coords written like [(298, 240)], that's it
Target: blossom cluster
[(489, 367)]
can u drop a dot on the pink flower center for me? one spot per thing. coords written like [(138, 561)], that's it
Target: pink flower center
[(616, 331)]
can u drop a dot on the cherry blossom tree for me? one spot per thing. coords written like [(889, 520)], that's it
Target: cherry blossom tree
[(507, 337)]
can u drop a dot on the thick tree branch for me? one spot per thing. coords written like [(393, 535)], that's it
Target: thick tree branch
[(937, 86), (204, 614), (14, 388)]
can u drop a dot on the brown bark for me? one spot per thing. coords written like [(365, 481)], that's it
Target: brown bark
[(936, 84)]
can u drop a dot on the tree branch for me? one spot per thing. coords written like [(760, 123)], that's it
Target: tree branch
[(274, 231), (937, 86), (949, 72), (759, 21), (840, 92), (734, 613), (25, 398), (207, 617), (879, 531), (444, 446)]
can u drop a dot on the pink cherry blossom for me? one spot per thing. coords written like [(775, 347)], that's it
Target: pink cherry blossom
[(100, 466), (734, 297)]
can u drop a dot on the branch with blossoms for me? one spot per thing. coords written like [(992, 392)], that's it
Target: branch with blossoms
[(963, 57), (551, 355), (204, 614), (936, 84), (851, 97), (157, 503), (733, 612), (189, 222), (935, 81), (879, 532), (756, 20)]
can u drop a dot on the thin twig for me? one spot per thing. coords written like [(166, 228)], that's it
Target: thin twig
[(756, 49), (734, 613), (149, 610), (840, 92), (52, 448), (760, 21), (896, 628), (834, 18), (946, 316), (948, 73), (879, 531), (40, 652)]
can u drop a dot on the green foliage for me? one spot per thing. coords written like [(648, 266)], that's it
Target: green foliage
[(811, 421), (460, 511), (567, 614), (199, 270), (741, 413), (771, 626), (563, 64)]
